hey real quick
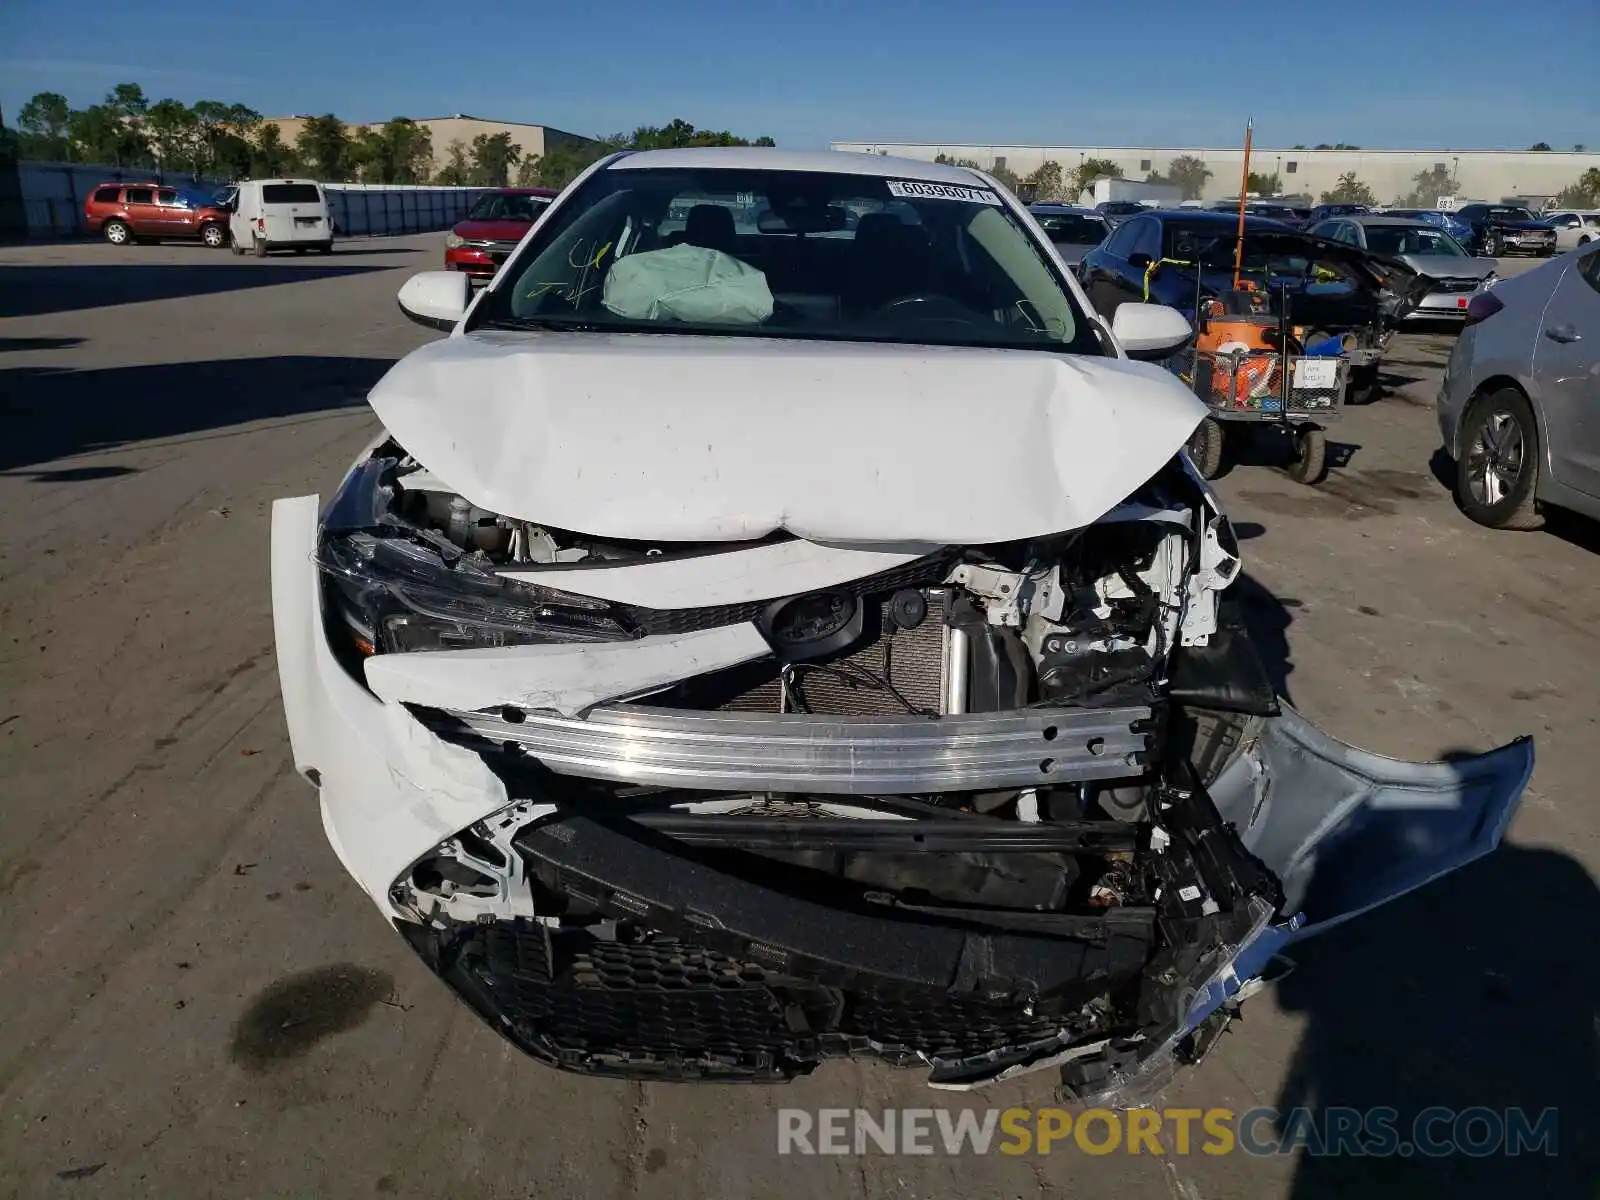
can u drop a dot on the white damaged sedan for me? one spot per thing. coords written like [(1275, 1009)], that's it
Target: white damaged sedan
[(779, 622)]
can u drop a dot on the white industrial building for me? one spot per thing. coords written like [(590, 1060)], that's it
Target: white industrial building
[(1391, 174)]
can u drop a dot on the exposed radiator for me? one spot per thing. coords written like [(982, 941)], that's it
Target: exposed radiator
[(911, 660)]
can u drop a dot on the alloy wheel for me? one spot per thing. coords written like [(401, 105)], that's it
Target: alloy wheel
[(1496, 458)]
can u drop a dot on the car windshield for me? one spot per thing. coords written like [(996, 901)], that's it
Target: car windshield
[(1072, 228), (502, 206), (1121, 207), (1267, 255), (1508, 212), (1409, 239), (789, 254)]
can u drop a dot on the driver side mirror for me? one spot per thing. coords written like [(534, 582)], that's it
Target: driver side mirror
[(437, 299), (1149, 331)]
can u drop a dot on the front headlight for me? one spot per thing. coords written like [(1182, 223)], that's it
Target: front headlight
[(396, 594), (453, 240)]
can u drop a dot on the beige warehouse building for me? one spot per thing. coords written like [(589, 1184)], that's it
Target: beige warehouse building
[(532, 140), (1391, 174)]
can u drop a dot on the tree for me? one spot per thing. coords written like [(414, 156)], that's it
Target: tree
[(1263, 185), (456, 172), (269, 155), (1540, 146), (44, 121), (1004, 174), (398, 151), (1190, 174), (1583, 194), (1046, 183), (324, 147), (173, 135), (222, 133), (493, 156), (102, 134), (1427, 186), (1349, 190), (1333, 146), (946, 160), (1088, 171)]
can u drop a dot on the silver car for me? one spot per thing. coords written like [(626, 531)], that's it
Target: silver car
[(1519, 408), (1426, 249)]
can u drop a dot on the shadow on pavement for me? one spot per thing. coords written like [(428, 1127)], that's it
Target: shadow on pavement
[(1478, 991), (1267, 619), (38, 343), (29, 290), (49, 413)]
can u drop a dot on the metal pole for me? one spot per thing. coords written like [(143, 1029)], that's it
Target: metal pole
[(1244, 187)]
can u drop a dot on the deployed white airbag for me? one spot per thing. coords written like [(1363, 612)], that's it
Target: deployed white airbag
[(687, 283)]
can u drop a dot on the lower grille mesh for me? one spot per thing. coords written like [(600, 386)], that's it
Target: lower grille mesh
[(665, 1008)]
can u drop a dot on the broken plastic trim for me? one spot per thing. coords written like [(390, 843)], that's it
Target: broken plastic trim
[(796, 752)]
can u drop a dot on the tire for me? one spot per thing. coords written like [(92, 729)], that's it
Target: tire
[(117, 233), (1205, 447), (1497, 474), (1310, 462), (301, 249), (260, 248), (1493, 245), (325, 248), (1364, 385), (234, 247), (1584, 240), (214, 236)]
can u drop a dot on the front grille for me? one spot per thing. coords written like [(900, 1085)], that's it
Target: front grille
[(1459, 285), (910, 661), (660, 1007)]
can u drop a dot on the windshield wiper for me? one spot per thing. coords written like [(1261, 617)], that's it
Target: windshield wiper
[(525, 323)]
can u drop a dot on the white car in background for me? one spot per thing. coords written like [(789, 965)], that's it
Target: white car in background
[(1575, 227), (756, 640)]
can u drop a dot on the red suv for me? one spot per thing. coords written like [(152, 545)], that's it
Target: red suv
[(151, 212), (491, 231)]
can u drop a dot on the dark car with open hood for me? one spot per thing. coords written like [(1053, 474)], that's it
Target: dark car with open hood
[(1497, 229), (761, 635)]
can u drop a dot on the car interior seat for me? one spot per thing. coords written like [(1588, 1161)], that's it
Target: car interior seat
[(710, 226)]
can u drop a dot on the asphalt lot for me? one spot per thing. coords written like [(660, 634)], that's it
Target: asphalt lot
[(197, 1001)]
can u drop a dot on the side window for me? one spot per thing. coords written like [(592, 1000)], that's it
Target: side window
[(1472, 212), (107, 195), (167, 196), (1120, 243), (1148, 239), (141, 196), (1589, 269)]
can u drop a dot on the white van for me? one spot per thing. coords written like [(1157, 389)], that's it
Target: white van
[(280, 214)]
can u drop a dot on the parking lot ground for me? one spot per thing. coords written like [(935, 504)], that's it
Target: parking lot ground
[(197, 1001)]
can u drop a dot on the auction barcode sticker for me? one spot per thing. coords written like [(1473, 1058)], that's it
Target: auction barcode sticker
[(916, 189)]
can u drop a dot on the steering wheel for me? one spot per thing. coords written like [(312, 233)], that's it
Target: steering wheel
[(929, 306)]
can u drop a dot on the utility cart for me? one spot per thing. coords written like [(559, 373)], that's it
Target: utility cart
[(1251, 364)]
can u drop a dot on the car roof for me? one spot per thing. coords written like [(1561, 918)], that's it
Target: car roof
[(832, 162), (524, 191), (1061, 210), (1230, 220), (1365, 219)]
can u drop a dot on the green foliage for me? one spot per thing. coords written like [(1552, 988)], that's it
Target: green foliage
[(1047, 183), (946, 160), (456, 170), (1333, 146), (493, 156), (324, 146), (270, 155), (1583, 194), (44, 121), (1263, 185), (1349, 190), (1540, 146), (398, 151), (1188, 173), (1091, 169), (1427, 186)]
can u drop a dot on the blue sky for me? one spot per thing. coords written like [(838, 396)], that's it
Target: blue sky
[(1390, 74)]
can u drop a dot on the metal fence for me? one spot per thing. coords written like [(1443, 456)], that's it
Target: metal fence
[(53, 196)]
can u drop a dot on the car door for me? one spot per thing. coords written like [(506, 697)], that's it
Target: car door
[(1127, 281), (177, 218), (1103, 265), (1566, 366), (143, 215)]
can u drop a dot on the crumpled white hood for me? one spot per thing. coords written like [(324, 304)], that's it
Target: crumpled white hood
[(680, 438)]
